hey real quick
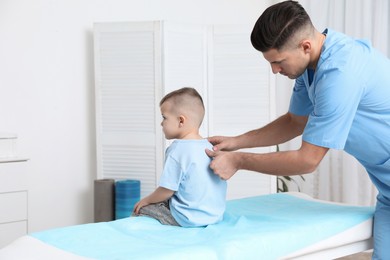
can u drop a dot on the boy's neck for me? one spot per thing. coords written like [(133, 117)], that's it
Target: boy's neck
[(192, 136)]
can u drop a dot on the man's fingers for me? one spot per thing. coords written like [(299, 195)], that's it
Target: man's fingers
[(213, 140), (210, 153)]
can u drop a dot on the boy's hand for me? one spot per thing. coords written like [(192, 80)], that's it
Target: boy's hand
[(139, 205)]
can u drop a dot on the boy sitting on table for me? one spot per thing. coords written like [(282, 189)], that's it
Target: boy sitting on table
[(190, 194)]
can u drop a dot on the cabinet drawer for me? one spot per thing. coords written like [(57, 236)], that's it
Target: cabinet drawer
[(11, 231), (13, 176), (13, 206)]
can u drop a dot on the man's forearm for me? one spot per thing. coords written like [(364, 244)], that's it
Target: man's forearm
[(279, 131), (278, 163), (302, 161)]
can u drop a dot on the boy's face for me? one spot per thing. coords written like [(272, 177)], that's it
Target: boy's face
[(170, 122)]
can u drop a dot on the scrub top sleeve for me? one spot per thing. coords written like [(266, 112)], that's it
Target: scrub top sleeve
[(336, 97), (300, 103)]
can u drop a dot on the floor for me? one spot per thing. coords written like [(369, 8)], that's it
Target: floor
[(359, 256)]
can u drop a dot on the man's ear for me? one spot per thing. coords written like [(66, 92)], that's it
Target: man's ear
[(306, 46)]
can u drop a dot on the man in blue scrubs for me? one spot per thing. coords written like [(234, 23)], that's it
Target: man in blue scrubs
[(341, 100)]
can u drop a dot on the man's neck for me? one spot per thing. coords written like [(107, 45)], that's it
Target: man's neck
[(318, 43)]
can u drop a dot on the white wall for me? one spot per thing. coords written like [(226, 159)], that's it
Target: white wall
[(47, 89)]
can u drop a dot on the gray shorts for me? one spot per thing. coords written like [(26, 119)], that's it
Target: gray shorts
[(159, 211)]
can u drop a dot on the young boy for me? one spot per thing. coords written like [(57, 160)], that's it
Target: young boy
[(190, 194)]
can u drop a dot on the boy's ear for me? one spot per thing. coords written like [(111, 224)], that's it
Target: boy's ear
[(181, 120)]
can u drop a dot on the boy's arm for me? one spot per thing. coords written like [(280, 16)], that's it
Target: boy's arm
[(159, 195)]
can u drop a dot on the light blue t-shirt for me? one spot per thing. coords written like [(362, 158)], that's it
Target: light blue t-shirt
[(200, 195), (348, 103)]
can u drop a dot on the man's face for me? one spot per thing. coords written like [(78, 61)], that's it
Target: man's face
[(290, 63)]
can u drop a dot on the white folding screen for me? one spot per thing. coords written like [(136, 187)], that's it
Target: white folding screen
[(241, 98), (128, 85), (136, 63)]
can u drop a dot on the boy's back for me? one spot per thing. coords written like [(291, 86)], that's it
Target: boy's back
[(199, 197)]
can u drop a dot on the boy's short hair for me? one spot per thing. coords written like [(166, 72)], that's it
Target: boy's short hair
[(188, 98), (278, 24), (182, 92)]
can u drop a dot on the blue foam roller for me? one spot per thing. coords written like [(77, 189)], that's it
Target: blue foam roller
[(127, 193)]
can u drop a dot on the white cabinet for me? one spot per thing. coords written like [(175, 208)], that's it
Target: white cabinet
[(13, 200), (136, 63)]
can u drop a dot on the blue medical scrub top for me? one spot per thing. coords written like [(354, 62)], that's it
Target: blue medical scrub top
[(347, 100)]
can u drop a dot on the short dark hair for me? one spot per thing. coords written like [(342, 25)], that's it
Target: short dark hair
[(277, 24), (190, 100), (183, 92)]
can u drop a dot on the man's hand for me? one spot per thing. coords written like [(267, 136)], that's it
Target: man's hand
[(223, 164), (222, 143)]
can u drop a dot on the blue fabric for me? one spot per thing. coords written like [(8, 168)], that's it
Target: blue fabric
[(264, 227), (348, 104), (200, 195), (348, 100), (382, 229)]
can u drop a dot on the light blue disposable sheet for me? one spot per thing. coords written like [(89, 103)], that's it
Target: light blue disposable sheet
[(263, 227)]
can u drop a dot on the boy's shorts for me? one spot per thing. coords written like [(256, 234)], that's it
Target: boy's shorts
[(159, 211)]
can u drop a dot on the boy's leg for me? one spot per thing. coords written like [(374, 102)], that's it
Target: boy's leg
[(159, 211), (382, 229)]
